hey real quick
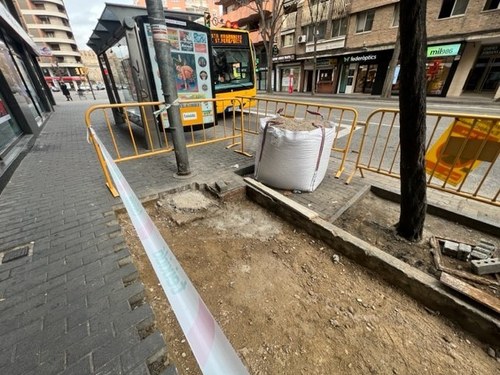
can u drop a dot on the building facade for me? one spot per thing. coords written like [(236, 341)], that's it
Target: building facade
[(92, 71), (350, 51), (194, 6), (48, 23), (25, 99)]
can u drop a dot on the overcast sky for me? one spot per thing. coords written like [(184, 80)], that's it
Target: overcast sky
[(83, 16)]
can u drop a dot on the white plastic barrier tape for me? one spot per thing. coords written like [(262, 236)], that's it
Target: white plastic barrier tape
[(212, 350)]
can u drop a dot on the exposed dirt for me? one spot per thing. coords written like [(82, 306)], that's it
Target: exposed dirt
[(377, 226), (289, 304)]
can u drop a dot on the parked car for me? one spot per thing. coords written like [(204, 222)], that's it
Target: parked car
[(55, 89), (85, 88), (100, 86)]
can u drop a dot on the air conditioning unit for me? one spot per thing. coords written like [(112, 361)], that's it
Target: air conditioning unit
[(302, 38)]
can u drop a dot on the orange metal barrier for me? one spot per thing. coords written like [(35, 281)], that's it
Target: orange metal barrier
[(344, 118), (134, 130), (461, 152)]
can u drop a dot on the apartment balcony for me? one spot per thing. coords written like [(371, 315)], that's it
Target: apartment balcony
[(46, 13), (57, 2), (54, 40), (289, 21), (48, 27), (245, 14), (326, 45), (319, 13), (241, 15), (65, 53)]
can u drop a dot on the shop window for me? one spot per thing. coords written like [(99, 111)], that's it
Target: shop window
[(395, 18), (9, 129), (339, 27), (451, 8), (287, 40), (492, 4), (365, 21)]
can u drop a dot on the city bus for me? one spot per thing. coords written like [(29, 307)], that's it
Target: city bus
[(233, 65)]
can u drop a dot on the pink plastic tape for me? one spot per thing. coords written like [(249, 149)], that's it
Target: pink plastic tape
[(211, 348)]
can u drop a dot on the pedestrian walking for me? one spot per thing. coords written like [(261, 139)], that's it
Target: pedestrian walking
[(65, 92)]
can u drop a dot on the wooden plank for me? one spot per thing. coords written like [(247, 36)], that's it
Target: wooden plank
[(474, 293)]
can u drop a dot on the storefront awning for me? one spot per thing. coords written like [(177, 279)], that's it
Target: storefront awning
[(109, 29)]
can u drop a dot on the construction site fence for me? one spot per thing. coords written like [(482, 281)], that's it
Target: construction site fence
[(137, 130), (344, 119), (460, 157)]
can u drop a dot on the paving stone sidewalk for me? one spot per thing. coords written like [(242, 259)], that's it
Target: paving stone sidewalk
[(75, 305)]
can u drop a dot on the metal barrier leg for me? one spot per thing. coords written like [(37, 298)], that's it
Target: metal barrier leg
[(109, 181)]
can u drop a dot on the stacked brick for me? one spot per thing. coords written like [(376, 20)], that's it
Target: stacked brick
[(480, 256)]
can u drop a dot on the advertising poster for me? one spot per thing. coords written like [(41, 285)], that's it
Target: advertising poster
[(190, 55)]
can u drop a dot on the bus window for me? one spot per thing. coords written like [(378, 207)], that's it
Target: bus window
[(232, 68), (233, 65)]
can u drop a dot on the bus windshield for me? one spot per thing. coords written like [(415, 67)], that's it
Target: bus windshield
[(232, 67)]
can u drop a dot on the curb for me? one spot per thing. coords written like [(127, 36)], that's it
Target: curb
[(427, 290)]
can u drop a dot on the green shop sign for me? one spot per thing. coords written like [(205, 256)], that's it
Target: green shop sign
[(444, 50)]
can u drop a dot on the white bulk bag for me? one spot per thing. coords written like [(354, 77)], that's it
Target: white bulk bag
[(292, 160)]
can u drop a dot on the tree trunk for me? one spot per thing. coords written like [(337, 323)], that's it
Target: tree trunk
[(314, 72), (269, 73), (412, 103), (387, 89)]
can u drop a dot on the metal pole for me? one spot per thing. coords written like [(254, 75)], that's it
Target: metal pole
[(166, 66), (90, 85)]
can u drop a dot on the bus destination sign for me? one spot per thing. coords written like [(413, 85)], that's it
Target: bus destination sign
[(226, 38)]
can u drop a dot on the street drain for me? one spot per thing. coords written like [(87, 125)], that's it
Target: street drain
[(16, 253)]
